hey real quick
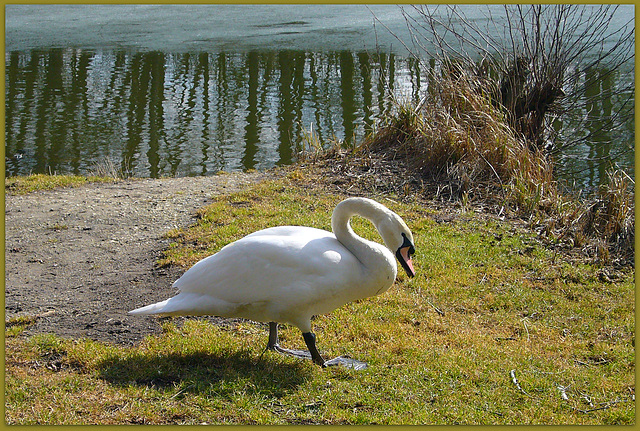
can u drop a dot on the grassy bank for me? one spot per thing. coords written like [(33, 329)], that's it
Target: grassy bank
[(20, 185), (496, 328)]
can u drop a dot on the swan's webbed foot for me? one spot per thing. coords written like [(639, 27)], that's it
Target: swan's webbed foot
[(313, 354), (302, 354), (345, 361)]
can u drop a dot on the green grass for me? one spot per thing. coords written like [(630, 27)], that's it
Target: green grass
[(20, 185), (506, 303), (16, 325)]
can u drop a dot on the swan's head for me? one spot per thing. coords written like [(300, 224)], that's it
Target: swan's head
[(399, 240), (393, 230)]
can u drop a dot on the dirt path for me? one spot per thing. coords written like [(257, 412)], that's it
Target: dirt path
[(80, 258)]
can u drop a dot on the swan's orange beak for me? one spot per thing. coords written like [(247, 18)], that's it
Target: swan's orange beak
[(405, 260)]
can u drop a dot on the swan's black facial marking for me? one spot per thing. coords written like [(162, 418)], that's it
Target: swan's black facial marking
[(403, 254), (407, 243)]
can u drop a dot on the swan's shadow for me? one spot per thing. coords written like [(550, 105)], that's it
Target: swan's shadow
[(205, 372)]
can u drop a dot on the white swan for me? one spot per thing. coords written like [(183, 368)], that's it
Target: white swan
[(287, 274)]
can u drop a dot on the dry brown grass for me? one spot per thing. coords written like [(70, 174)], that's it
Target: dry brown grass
[(604, 225), (455, 145), (457, 137)]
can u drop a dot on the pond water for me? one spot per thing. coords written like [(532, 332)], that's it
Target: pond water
[(181, 90)]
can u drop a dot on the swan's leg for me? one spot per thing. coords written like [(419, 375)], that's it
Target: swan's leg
[(275, 346), (310, 340), (273, 338), (273, 335)]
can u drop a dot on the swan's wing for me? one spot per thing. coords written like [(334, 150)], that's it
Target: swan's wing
[(269, 265)]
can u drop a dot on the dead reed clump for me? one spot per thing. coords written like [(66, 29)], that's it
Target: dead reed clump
[(604, 226), (105, 168), (616, 219), (458, 138)]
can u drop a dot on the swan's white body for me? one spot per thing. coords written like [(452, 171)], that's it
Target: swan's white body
[(288, 274)]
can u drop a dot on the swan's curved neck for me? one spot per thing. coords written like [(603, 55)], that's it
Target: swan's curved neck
[(347, 209), (378, 262), (343, 212)]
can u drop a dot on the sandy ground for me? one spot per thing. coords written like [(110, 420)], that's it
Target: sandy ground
[(80, 258)]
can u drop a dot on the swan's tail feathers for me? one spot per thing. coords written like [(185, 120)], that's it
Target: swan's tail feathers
[(157, 308), (189, 304)]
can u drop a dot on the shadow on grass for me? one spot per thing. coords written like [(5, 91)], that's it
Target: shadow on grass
[(220, 373)]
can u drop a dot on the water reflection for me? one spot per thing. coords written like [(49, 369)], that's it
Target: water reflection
[(159, 114), (179, 114), (599, 133)]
